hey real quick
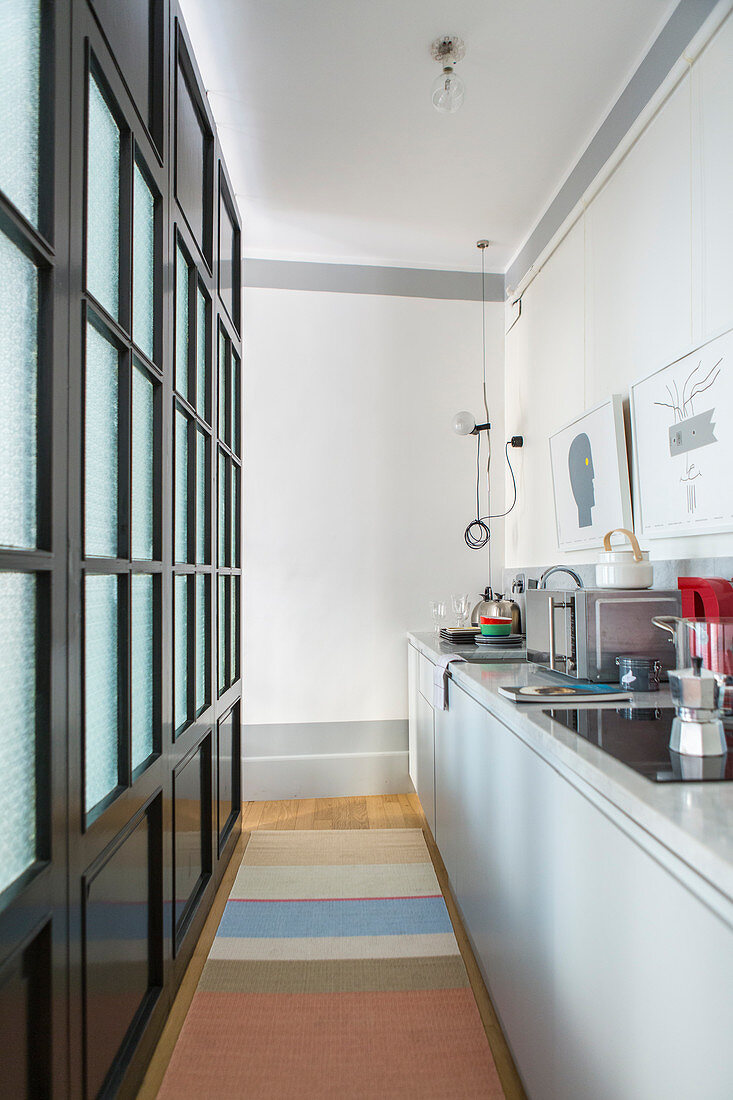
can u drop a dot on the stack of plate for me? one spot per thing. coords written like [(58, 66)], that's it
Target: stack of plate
[(499, 639), (459, 635)]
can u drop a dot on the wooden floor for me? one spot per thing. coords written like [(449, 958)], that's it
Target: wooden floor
[(401, 811)]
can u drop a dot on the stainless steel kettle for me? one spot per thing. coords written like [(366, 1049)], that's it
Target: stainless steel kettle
[(496, 607)]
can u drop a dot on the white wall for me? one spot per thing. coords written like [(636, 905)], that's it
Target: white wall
[(645, 272), (356, 492)]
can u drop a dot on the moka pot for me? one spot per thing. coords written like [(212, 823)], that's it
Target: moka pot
[(698, 696)]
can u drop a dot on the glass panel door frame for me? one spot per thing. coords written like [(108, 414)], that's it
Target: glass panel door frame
[(33, 908), (97, 833), (200, 735), (153, 790), (82, 849)]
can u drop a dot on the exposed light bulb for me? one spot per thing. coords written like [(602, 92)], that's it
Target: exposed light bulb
[(464, 423), (448, 91)]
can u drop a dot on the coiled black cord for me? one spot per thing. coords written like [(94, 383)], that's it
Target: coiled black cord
[(478, 532), (476, 535)]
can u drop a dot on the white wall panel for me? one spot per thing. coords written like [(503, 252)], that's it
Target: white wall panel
[(712, 85), (655, 276), (545, 389), (638, 258)]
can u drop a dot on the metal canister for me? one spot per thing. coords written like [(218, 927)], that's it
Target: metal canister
[(639, 673)]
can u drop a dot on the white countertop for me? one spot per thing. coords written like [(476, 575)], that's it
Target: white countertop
[(434, 647), (691, 822)]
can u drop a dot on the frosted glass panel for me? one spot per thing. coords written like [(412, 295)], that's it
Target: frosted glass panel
[(18, 395), (201, 380), (180, 655), (234, 630), (103, 202), (181, 323), (101, 691), (223, 502), (224, 425), (201, 496), (142, 713), (236, 404), (234, 529), (223, 616), (20, 50), (142, 465), (202, 633), (181, 488), (101, 430), (143, 265), (18, 740)]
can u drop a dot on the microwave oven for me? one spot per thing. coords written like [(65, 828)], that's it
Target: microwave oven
[(579, 632)]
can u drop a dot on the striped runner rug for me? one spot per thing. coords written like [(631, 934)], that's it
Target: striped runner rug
[(334, 973)]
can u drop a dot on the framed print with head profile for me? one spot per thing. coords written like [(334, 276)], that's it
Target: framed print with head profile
[(590, 476)]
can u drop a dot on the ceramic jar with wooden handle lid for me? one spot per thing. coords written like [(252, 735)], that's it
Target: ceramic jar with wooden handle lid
[(624, 568)]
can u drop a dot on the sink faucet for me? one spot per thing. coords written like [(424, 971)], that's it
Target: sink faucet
[(559, 569)]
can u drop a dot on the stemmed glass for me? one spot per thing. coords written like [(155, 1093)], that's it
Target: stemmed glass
[(461, 608), (438, 609)]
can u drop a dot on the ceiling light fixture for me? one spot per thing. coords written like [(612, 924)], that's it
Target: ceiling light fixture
[(448, 89)]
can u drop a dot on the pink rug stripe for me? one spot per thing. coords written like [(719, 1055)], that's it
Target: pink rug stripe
[(421, 1045)]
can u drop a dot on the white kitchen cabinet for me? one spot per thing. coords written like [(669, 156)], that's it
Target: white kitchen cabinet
[(421, 731), (449, 826), (426, 759), (489, 837), (612, 978), (412, 696), (425, 677)]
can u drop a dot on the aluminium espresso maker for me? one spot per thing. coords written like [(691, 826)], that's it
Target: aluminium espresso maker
[(698, 695)]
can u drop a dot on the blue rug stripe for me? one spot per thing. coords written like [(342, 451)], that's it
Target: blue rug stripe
[(340, 917)]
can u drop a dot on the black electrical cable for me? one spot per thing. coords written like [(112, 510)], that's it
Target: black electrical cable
[(478, 533), (500, 515)]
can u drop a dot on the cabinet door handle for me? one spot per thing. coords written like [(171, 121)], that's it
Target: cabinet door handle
[(552, 607)]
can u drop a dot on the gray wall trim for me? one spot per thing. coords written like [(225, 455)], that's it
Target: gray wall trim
[(299, 757), (325, 776), (324, 759), (404, 282), (297, 739), (680, 29)]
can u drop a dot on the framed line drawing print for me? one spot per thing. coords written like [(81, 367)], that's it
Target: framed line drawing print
[(590, 476), (683, 443)]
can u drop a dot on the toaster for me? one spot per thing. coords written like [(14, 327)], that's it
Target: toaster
[(580, 632)]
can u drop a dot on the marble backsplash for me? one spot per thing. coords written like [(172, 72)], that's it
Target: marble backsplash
[(665, 572)]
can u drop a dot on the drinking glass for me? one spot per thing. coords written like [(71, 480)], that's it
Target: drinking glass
[(438, 609), (461, 607)]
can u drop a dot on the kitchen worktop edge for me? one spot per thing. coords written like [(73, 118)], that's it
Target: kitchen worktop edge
[(693, 822)]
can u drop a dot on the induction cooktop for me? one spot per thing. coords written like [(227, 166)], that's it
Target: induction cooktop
[(639, 738)]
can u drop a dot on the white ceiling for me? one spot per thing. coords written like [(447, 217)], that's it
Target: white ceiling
[(336, 153)]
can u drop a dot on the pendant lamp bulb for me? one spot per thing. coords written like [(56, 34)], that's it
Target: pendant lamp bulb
[(448, 89)]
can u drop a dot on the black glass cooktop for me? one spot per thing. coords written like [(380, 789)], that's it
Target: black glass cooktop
[(639, 737)]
